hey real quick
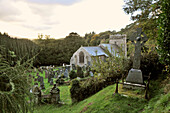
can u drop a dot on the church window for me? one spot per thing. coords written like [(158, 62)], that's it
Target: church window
[(81, 57)]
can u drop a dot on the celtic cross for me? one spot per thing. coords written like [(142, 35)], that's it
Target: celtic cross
[(138, 39)]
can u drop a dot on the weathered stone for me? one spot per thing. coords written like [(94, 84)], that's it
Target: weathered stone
[(135, 74), (66, 73), (55, 94), (51, 82)]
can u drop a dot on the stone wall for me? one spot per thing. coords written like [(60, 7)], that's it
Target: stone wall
[(119, 40)]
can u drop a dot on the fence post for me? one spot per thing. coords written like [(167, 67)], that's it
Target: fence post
[(117, 82)]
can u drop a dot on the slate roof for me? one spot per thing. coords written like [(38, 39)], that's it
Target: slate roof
[(100, 49), (92, 51), (109, 47)]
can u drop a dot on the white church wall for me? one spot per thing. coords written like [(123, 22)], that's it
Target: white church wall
[(75, 59)]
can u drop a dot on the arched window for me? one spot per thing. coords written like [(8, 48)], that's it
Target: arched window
[(75, 59), (81, 57)]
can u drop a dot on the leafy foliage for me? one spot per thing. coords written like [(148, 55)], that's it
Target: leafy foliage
[(14, 90), (17, 49), (57, 52), (164, 34), (72, 74)]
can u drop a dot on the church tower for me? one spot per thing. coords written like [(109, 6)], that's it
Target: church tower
[(120, 41)]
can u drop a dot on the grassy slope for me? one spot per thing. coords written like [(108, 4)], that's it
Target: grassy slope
[(102, 102), (105, 102)]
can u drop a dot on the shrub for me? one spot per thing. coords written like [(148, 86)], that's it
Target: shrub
[(150, 63), (80, 72), (82, 90), (72, 74), (60, 81), (87, 73), (74, 90)]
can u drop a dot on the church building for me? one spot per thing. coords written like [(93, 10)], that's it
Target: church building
[(83, 56)]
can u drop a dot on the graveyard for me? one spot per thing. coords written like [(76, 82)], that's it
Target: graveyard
[(84, 56)]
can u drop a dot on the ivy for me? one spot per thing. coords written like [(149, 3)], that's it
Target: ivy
[(163, 39)]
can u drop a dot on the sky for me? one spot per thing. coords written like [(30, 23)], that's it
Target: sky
[(58, 18)]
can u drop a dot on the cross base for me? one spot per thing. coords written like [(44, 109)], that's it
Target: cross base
[(135, 76), (133, 86)]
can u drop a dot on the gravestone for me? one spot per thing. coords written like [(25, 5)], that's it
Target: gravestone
[(42, 85), (51, 82), (30, 76), (49, 79), (37, 93), (37, 74), (46, 74), (73, 67), (55, 76), (91, 74), (135, 74), (55, 94), (66, 73), (39, 78), (35, 79)]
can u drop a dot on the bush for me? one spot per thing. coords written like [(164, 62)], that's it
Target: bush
[(81, 91), (150, 63), (87, 73), (80, 72), (72, 74)]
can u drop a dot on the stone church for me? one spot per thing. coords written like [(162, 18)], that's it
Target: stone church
[(83, 56)]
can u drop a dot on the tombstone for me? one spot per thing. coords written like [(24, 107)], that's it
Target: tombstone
[(91, 74), (39, 78), (42, 85), (51, 82), (59, 76), (135, 74), (55, 94), (55, 76), (61, 71), (66, 73), (35, 79), (37, 93), (68, 67), (73, 67), (35, 70), (49, 79), (30, 76), (46, 74), (37, 74)]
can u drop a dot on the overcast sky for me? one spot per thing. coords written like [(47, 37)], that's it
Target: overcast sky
[(57, 18)]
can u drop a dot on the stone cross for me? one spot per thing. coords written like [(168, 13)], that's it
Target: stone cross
[(138, 39)]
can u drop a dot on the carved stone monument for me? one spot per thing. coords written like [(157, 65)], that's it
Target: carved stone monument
[(135, 74), (55, 94)]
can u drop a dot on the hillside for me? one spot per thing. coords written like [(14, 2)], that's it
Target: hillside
[(106, 102)]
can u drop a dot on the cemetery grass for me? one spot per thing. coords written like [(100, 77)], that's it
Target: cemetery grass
[(102, 102), (106, 102)]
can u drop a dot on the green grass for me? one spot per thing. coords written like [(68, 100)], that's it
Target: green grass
[(102, 102), (106, 102)]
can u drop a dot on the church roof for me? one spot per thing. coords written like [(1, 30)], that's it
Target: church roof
[(111, 47), (92, 51)]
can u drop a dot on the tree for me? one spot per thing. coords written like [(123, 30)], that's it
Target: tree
[(164, 35), (145, 9)]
